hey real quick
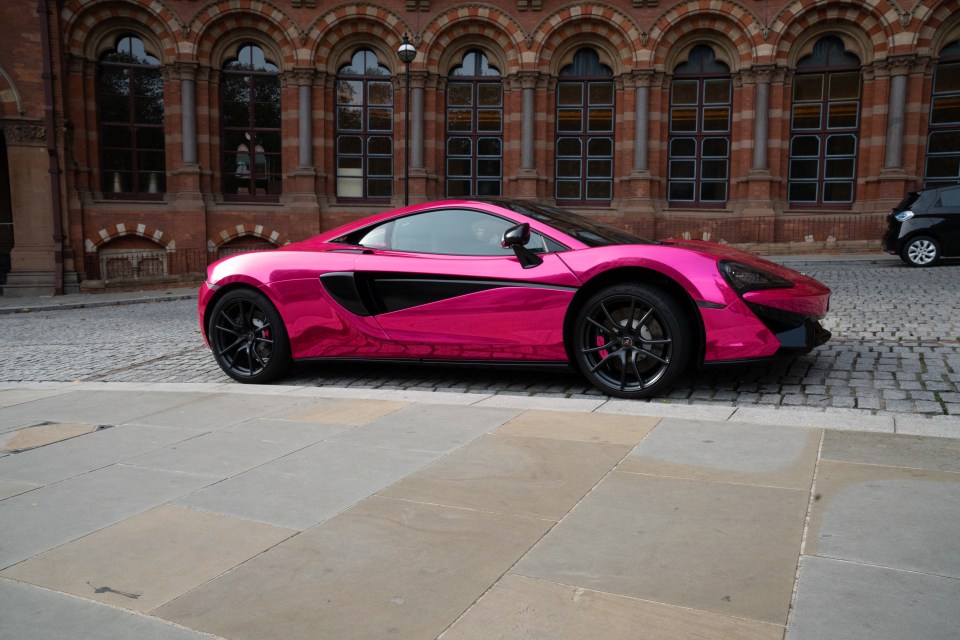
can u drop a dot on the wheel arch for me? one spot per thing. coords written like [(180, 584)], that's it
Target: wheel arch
[(641, 275), (227, 288)]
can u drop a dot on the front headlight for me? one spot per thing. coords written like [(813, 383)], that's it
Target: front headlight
[(746, 277), (903, 216)]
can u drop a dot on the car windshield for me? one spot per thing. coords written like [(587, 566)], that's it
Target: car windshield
[(590, 233)]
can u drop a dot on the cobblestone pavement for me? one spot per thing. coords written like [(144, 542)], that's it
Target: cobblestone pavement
[(895, 349)]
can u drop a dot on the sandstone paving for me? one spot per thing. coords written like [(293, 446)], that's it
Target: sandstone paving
[(33, 437), (579, 426)]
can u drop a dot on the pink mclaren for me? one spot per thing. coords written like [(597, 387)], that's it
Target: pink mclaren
[(506, 282)]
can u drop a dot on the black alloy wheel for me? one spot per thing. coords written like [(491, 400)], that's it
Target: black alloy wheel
[(632, 340), (248, 338)]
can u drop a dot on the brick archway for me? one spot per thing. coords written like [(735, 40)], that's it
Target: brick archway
[(600, 24), (257, 231), (107, 234), (81, 19)]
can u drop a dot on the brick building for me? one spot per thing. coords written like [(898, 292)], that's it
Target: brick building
[(143, 138)]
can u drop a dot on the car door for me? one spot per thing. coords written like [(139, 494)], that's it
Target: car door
[(947, 209), (440, 283)]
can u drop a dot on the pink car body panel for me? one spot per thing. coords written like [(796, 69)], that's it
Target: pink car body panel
[(520, 316)]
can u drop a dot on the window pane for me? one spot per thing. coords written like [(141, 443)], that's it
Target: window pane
[(568, 147), (599, 168), (267, 115), (349, 187), (806, 116), (943, 166), (350, 118), (683, 169), (945, 109), (713, 169), (838, 168), (489, 147), (489, 120), (681, 191), (601, 93), (114, 109), (119, 137), (380, 93), (803, 169), (683, 147), (459, 167), (459, 120), (349, 92), (802, 192), (845, 86), (684, 92), (151, 182), (842, 115), (460, 95), (147, 138), (380, 146), (489, 95), (114, 81), (349, 165), (841, 145), (600, 147), (379, 188), (713, 191), (716, 91), (599, 190), (488, 168), (380, 166), (459, 147), (458, 188), (567, 189), (837, 191), (600, 120), (944, 142), (488, 187), (716, 119), (947, 78), (683, 119), (349, 144), (802, 146), (715, 147), (380, 119), (568, 168), (118, 159), (570, 120), (150, 161), (570, 93), (808, 87)]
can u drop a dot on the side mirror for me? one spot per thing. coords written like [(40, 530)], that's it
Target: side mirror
[(515, 238)]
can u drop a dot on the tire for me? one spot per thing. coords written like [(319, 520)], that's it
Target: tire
[(922, 251), (248, 338), (632, 340)]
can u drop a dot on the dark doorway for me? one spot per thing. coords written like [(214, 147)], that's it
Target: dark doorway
[(6, 214)]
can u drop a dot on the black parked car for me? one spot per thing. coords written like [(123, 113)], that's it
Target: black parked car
[(925, 227)]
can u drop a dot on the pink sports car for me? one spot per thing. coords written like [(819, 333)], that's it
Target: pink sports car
[(506, 282)]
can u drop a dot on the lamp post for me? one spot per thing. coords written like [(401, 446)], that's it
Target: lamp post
[(407, 52)]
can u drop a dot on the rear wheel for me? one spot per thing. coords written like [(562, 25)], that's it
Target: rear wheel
[(921, 251), (248, 338), (632, 340)]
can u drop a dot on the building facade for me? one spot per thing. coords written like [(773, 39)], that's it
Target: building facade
[(142, 139)]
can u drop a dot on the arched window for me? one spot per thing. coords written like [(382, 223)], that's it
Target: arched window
[(824, 126), (943, 141), (130, 101), (584, 131), (474, 128), (250, 121), (700, 101), (364, 128)]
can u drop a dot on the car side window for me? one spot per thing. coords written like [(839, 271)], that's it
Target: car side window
[(950, 198), (447, 232)]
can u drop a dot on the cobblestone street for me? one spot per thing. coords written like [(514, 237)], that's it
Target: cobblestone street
[(895, 349)]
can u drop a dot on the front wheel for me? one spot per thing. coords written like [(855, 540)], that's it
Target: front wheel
[(248, 338), (632, 340), (921, 251)]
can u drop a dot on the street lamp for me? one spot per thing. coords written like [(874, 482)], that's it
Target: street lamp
[(407, 52)]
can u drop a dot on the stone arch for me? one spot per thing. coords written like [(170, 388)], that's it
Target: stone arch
[(939, 26), (342, 29), (219, 24), (733, 33), (611, 32), (10, 102), (257, 231), (862, 26), (500, 33), (88, 26), (107, 234)]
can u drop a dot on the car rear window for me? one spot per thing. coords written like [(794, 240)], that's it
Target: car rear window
[(950, 197), (910, 198)]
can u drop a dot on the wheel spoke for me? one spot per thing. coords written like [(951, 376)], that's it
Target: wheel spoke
[(651, 354), (636, 370), (663, 341), (604, 361), (600, 326), (595, 349), (623, 370), (603, 308)]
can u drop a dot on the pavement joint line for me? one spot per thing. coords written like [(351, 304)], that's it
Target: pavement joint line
[(801, 417)]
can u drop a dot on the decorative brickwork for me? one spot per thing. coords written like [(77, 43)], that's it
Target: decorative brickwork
[(241, 230), (103, 236)]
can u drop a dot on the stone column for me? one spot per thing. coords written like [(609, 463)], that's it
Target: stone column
[(418, 81), (761, 119), (304, 81), (896, 111), (188, 110), (528, 84), (641, 135)]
